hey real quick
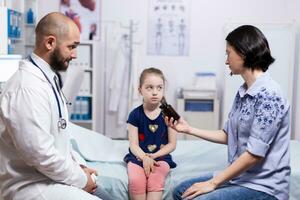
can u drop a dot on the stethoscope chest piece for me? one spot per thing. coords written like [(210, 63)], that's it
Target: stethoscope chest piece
[(62, 123)]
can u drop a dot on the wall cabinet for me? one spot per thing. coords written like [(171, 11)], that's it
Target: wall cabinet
[(11, 26), (79, 86)]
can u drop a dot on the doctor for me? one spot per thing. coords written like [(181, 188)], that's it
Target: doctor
[(35, 153)]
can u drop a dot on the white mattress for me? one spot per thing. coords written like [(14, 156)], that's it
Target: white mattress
[(193, 157)]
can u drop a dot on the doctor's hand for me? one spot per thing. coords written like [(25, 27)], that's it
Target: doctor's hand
[(91, 185), (180, 126), (199, 188)]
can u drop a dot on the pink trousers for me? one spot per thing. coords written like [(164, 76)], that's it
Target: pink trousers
[(140, 184)]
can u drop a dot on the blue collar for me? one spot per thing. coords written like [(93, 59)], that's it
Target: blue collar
[(255, 87)]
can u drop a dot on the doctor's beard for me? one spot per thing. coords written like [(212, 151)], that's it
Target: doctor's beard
[(58, 62)]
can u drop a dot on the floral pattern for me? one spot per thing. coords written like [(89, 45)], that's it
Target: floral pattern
[(265, 108), (269, 109)]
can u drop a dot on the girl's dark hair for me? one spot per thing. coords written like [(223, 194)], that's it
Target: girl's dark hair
[(252, 45), (150, 70)]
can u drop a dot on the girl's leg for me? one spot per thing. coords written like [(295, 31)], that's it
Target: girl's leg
[(137, 182), (182, 187), (154, 195), (156, 181)]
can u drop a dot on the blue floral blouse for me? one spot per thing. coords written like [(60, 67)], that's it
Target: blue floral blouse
[(259, 122)]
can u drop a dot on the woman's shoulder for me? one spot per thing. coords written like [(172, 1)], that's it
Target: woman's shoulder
[(271, 95), (271, 89)]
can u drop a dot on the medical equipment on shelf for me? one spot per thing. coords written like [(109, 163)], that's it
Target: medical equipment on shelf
[(62, 123), (199, 104), (205, 81)]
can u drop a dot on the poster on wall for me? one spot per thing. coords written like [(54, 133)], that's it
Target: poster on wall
[(86, 15), (168, 27)]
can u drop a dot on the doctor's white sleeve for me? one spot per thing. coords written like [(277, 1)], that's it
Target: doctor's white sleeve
[(28, 114)]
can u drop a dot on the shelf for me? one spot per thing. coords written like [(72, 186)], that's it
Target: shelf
[(30, 25), (84, 95), (29, 45), (82, 121), (15, 39)]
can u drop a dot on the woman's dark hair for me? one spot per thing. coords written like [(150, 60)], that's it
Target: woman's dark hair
[(252, 45)]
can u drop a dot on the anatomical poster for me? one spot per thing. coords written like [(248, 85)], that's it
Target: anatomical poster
[(168, 27), (86, 15)]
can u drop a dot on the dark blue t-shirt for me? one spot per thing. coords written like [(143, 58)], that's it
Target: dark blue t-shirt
[(152, 134)]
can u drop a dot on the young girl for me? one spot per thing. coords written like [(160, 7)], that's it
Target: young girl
[(151, 141)]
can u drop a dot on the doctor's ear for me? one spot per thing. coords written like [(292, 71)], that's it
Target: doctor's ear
[(50, 42)]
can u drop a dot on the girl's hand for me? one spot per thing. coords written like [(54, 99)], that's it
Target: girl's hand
[(151, 155), (149, 165), (180, 126), (199, 188)]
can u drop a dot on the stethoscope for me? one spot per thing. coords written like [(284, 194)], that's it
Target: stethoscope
[(62, 123)]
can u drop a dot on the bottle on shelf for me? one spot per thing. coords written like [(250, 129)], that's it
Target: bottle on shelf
[(30, 16)]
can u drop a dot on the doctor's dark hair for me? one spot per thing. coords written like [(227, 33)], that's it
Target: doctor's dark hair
[(252, 45), (151, 70)]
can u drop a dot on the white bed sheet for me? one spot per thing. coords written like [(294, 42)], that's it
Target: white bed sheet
[(193, 157)]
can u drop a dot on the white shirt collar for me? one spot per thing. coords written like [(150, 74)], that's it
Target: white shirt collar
[(44, 66)]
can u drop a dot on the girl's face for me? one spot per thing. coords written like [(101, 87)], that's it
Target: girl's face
[(152, 89), (234, 60)]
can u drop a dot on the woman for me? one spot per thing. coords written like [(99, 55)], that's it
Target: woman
[(257, 131)]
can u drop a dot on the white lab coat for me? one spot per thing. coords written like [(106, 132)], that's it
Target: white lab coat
[(123, 86), (119, 76), (35, 155)]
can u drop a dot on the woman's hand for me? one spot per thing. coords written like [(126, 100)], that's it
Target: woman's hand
[(199, 188), (180, 126)]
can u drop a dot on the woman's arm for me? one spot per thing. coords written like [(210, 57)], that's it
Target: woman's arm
[(217, 136), (244, 162), (168, 148)]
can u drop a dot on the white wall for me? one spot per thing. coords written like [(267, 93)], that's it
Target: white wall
[(43, 9), (207, 45), (294, 13)]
